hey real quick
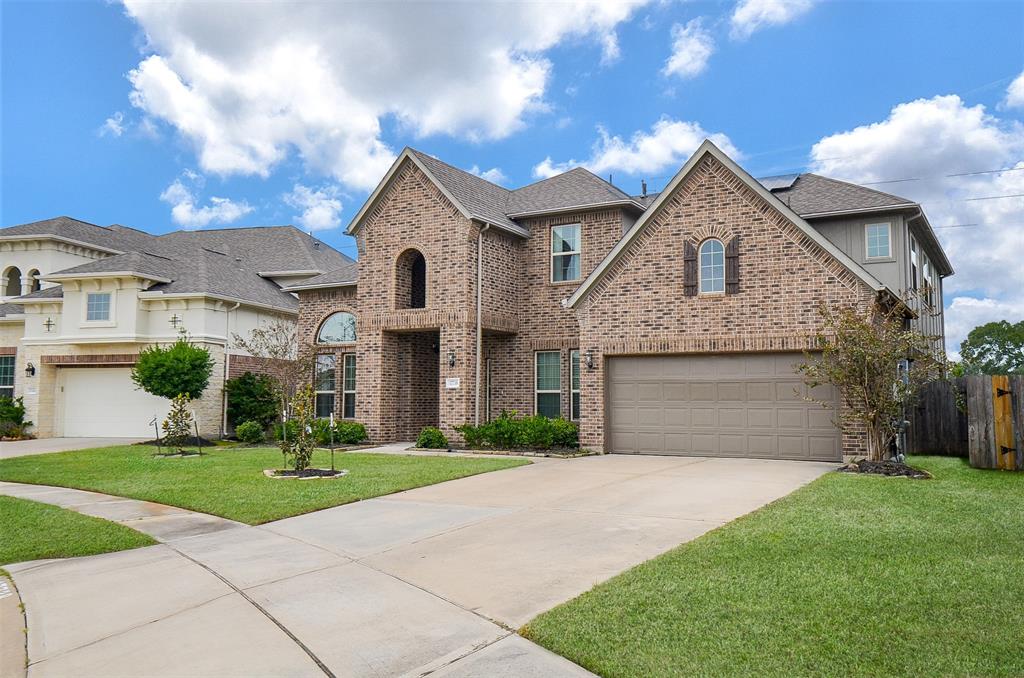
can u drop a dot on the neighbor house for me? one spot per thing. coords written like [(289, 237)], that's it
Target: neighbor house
[(80, 301), (662, 323)]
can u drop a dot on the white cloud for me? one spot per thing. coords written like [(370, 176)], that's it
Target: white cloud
[(1015, 93), (113, 126), (750, 16), (321, 208), (963, 314), (927, 140), (250, 83), (493, 175), (187, 214), (666, 147), (692, 46)]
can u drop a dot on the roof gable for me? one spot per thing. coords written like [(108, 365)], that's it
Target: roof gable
[(705, 149)]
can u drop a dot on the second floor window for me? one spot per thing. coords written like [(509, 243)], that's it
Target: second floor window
[(97, 306), (712, 266), (877, 240), (565, 253)]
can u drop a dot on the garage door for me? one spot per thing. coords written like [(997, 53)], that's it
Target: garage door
[(103, 402), (744, 405)]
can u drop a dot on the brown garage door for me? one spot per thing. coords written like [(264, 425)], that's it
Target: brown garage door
[(743, 405)]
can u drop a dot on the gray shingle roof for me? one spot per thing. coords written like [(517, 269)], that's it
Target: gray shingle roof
[(815, 194), (484, 200), (575, 188), (223, 262), (10, 309), (348, 273)]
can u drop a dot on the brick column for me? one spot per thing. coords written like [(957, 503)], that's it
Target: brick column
[(455, 405), (376, 384), (592, 405)]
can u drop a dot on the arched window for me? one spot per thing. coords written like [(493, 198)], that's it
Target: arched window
[(712, 266), (12, 282), (339, 328), (33, 275), (411, 280)]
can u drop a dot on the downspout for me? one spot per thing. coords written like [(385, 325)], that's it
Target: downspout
[(479, 316), (224, 380)]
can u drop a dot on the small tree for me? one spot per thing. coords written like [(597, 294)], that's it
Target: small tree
[(298, 448), (178, 425), (862, 351), (169, 371), (251, 397), (287, 362)]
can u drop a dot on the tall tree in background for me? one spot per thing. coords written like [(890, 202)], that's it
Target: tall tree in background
[(994, 348)]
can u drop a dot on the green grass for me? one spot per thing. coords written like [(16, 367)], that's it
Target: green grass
[(230, 482), (32, 531), (849, 576)]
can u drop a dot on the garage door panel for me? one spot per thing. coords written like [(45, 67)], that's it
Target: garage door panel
[(715, 405), (99, 402)]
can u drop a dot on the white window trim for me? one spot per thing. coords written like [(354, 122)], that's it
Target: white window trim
[(346, 393), (700, 269), (14, 366), (317, 391), (553, 254), (574, 363), (538, 392), (888, 230), (111, 320)]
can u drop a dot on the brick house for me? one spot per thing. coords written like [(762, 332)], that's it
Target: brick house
[(664, 323)]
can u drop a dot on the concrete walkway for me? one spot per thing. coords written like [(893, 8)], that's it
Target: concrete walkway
[(21, 448), (432, 580)]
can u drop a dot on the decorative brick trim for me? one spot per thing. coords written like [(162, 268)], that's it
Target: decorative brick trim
[(755, 343), (8, 350), (554, 343), (97, 360), (432, 319)]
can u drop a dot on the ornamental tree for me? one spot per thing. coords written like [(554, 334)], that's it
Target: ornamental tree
[(171, 371), (878, 365)]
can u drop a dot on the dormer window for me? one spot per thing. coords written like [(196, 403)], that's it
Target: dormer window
[(565, 253), (97, 307), (712, 267)]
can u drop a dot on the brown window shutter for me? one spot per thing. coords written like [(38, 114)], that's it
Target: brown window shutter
[(732, 266), (689, 269)]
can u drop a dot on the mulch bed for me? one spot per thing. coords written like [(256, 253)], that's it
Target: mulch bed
[(305, 474), (893, 469), (560, 452), (192, 442)]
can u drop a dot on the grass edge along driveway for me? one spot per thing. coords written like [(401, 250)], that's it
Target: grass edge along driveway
[(848, 576), (65, 534), (229, 482)]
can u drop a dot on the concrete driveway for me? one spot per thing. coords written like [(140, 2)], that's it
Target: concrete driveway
[(434, 580), (21, 448)]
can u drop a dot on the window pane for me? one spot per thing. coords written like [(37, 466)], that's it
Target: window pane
[(324, 373), (712, 266), (548, 377), (549, 405), (97, 306), (338, 329), (350, 372), (7, 372), (566, 267), (575, 370), (575, 406), (350, 406), (565, 238), (878, 240), (324, 405)]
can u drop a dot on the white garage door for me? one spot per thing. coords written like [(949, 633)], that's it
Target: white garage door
[(743, 405), (103, 402)]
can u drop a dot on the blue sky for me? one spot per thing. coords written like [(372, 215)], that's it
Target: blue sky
[(199, 115)]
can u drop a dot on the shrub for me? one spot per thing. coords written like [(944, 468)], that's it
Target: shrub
[(173, 370), (349, 432), (298, 448), (321, 430), (432, 438), (293, 430), (251, 432), (509, 432), (251, 398), (178, 424), (12, 411)]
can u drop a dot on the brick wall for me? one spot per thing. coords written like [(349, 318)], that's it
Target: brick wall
[(639, 306)]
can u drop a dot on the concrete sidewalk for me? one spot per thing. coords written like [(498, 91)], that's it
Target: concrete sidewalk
[(433, 580)]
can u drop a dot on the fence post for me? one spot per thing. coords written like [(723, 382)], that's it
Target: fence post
[(1017, 386), (981, 442)]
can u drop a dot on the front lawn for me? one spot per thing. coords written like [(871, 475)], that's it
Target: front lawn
[(66, 533), (230, 482), (850, 575)]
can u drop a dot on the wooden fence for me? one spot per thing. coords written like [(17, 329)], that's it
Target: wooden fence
[(979, 417)]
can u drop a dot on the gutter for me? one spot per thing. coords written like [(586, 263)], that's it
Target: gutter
[(479, 317), (576, 208), (859, 210), (300, 287)]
